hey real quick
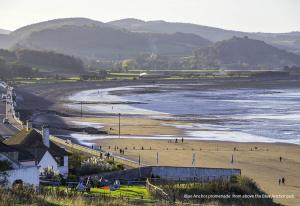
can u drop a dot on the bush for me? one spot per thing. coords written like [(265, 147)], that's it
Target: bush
[(236, 185), (5, 165), (94, 165)]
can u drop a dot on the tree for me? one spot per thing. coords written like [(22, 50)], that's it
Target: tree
[(4, 166), (128, 64)]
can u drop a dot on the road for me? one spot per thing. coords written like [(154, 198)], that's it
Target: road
[(6, 130)]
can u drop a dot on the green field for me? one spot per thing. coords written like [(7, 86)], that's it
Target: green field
[(125, 191), (138, 191)]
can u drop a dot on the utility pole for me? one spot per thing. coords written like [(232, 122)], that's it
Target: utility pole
[(119, 125), (81, 109), (194, 164), (139, 159), (7, 102)]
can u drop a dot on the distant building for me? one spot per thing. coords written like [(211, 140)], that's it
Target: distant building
[(45, 153)]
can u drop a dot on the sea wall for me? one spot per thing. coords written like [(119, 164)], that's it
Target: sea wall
[(175, 173)]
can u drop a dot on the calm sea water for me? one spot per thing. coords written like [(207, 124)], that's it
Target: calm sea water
[(243, 115)]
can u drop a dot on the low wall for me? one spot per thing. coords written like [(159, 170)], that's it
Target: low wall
[(175, 173), (93, 152), (29, 175), (191, 173)]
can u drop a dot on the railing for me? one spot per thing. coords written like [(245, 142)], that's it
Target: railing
[(157, 192), (19, 123), (93, 152)]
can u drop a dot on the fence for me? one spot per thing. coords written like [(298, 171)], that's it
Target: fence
[(93, 152), (157, 192)]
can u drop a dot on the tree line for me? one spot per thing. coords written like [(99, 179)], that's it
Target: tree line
[(31, 63)]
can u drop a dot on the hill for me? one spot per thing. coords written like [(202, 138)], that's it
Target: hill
[(3, 31), (244, 53), (289, 41), (14, 62), (95, 40)]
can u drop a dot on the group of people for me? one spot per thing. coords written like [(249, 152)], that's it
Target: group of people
[(176, 140), (281, 181), (122, 151)]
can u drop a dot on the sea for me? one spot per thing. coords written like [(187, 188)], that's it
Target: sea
[(224, 114)]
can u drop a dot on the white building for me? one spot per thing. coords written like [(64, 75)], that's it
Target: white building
[(46, 154), (28, 174)]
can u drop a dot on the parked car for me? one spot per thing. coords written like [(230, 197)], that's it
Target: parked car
[(5, 121)]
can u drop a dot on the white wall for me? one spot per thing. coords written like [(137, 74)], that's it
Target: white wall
[(28, 163), (48, 162), (189, 173), (64, 170), (28, 175)]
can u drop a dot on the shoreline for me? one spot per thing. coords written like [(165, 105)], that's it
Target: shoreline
[(51, 107)]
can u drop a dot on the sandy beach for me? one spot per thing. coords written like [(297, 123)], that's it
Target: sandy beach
[(256, 160)]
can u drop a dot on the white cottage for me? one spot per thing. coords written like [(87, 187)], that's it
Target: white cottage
[(27, 173), (46, 153)]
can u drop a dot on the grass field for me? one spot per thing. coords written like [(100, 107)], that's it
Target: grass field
[(138, 191), (125, 191)]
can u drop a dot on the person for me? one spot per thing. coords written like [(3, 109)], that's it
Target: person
[(176, 140), (279, 181), (280, 159), (283, 180), (182, 140), (80, 187)]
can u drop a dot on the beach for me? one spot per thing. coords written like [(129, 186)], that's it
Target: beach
[(236, 113), (259, 161)]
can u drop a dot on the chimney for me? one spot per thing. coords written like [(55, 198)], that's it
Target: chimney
[(45, 133), (28, 125)]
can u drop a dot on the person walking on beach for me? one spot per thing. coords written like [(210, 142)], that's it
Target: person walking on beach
[(279, 181), (280, 159), (283, 180), (182, 140)]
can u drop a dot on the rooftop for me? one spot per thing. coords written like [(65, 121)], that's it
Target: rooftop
[(32, 141)]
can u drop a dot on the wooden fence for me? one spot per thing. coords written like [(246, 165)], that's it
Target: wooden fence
[(157, 192)]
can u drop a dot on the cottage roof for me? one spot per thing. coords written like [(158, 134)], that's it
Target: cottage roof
[(32, 141), (23, 155)]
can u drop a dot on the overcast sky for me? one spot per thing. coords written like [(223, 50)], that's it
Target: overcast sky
[(244, 15)]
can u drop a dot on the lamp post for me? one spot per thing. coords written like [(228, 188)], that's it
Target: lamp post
[(119, 125)]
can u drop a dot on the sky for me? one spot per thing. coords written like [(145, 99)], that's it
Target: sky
[(243, 15)]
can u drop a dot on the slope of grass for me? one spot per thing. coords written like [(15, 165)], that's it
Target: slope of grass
[(238, 191), (125, 191), (60, 196)]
